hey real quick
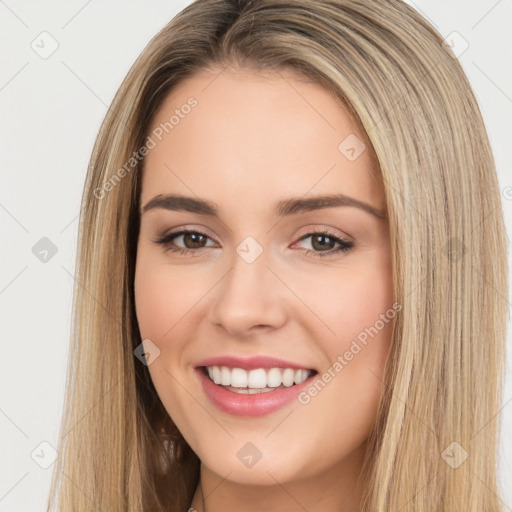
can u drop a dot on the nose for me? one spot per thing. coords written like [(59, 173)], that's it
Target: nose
[(249, 299)]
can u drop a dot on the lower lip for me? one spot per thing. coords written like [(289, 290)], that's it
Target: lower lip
[(250, 405)]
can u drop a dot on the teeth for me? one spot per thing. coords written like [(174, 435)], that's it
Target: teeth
[(288, 377), (225, 376), (274, 377), (250, 391), (238, 377), (258, 378)]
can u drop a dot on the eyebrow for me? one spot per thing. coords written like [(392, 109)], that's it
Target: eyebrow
[(283, 208)]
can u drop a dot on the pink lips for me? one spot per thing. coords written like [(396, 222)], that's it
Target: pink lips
[(244, 404), (250, 363)]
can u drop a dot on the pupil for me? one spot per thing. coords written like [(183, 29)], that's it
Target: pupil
[(193, 236), (322, 245)]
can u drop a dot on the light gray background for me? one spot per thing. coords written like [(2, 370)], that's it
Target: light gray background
[(51, 112)]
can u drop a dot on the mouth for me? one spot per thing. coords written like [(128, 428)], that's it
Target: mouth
[(254, 392), (255, 381)]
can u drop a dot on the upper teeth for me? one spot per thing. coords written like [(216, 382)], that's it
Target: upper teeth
[(259, 378)]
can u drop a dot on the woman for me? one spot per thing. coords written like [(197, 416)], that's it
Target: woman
[(292, 258)]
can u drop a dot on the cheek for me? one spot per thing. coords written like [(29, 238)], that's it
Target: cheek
[(163, 295), (357, 315), (152, 304), (348, 300)]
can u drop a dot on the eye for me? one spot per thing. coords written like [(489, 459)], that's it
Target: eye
[(195, 240), (323, 241)]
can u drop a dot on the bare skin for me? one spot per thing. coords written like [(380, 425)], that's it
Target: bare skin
[(252, 140)]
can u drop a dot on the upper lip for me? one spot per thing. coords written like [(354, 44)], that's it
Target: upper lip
[(250, 363)]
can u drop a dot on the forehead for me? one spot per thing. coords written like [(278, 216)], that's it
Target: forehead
[(252, 138)]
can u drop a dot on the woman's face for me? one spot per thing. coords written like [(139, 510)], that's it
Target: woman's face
[(257, 281)]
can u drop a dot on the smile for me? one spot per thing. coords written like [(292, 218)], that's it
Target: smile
[(256, 392), (258, 379)]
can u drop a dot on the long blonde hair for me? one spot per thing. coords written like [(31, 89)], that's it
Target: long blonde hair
[(441, 393)]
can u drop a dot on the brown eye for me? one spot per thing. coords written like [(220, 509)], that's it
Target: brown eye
[(193, 241), (323, 244)]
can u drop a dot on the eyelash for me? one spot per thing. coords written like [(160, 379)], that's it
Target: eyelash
[(345, 245)]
